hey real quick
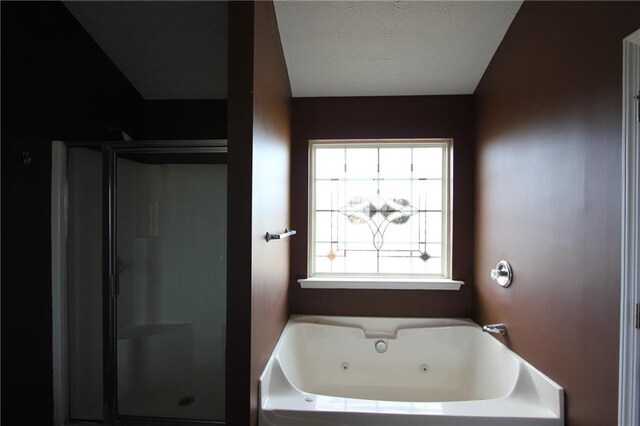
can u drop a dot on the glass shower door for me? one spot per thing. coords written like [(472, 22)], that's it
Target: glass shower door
[(170, 270), (84, 284)]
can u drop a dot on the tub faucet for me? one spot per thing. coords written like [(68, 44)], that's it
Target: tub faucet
[(495, 329)]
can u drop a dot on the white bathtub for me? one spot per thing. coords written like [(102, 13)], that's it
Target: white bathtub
[(327, 371)]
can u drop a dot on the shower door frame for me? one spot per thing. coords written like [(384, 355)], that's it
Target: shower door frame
[(108, 152), (629, 349)]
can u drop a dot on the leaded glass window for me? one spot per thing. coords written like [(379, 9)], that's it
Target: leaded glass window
[(379, 208)]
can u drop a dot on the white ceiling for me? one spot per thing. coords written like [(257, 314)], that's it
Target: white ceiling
[(166, 49), (178, 49), (385, 48)]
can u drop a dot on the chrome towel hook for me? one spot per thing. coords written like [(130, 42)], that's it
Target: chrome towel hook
[(286, 234)]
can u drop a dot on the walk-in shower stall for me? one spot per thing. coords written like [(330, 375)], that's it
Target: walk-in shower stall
[(139, 249)]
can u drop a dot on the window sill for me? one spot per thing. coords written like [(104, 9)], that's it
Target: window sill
[(381, 283)]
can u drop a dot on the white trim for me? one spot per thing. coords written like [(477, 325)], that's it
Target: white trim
[(629, 378), (381, 283), (58, 278)]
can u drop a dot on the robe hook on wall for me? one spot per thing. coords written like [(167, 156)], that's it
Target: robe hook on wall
[(286, 234)]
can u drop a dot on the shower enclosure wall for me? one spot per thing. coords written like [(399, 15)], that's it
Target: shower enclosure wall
[(145, 282)]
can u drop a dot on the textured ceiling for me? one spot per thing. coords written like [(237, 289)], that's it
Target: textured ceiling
[(364, 48), (178, 49), (166, 49)]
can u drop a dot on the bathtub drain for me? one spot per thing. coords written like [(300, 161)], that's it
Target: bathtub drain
[(424, 368), (344, 366)]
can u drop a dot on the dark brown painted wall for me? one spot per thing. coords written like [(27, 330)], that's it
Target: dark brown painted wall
[(548, 195), (188, 119), (385, 117), (56, 84), (239, 212), (259, 156), (271, 158)]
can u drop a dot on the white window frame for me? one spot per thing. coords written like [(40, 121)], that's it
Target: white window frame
[(408, 281)]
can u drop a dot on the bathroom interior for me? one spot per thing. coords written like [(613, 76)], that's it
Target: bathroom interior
[(148, 146)]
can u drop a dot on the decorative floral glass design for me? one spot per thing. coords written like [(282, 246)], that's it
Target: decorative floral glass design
[(379, 208)]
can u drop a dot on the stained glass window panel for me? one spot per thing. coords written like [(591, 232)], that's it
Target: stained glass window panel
[(329, 164), (399, 234), (392, 264), (430, 267), (433, 232), (435, 250), (327, 195), (396, 189), (361, 262), (355, 189), (379, 208), (395, 163), (324, 228), (361, 163), (433, 194), (357, 234), (427, 162)]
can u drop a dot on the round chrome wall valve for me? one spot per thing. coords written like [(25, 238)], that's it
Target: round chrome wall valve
[(502, 274)]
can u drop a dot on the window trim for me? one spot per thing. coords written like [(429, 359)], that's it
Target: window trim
[(390, 283), (442, 281)]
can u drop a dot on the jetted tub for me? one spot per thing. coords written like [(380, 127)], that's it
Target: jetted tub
[(399, 371)]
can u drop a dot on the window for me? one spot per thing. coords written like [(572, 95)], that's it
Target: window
[(379, 210)]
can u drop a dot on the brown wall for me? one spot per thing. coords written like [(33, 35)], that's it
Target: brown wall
[(239, 213), (188, 119), (384, 117), (548, 195), (56, 84), (271, 158), (259, 157)]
